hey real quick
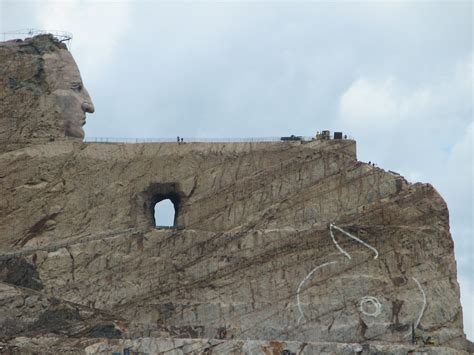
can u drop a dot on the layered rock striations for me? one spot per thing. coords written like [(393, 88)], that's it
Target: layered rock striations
[(278, 248)]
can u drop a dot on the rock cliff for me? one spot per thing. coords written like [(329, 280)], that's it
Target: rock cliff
[(278, 247)]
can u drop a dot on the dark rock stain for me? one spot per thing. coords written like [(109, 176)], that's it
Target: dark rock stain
[(104, 331), (396, 307), (56, 320), (36, 229), (17, 271)]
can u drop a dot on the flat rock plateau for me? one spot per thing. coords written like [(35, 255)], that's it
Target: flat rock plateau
[(278, 247)]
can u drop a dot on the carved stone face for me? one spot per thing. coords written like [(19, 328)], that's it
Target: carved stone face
[(71, 99)]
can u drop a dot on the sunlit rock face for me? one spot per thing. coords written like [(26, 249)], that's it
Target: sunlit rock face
[(43, 97), (279, 247)]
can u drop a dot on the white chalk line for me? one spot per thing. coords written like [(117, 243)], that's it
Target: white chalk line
[(422, 308), (331, 226), (337, 244), (302, 283), (372, 300)]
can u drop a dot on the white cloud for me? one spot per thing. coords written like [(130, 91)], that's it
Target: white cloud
[(381, 105), (456, 184), (401, 115), (369, 103), (440, 107), (460, 163), (465, 72)]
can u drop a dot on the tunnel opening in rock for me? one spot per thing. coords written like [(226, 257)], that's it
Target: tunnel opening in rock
[(164, 214), (161, 202)]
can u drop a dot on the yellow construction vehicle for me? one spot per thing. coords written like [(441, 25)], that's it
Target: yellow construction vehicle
[(324, 135)]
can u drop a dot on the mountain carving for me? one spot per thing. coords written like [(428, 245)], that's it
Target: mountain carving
[(291, 247)]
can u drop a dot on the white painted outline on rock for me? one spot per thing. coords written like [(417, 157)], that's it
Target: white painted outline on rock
[(366, 299), (372, 300), (302, 283), (331, 226), (422, 308)]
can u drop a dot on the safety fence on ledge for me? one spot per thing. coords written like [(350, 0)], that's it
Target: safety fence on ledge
[(61, 36), (198, 140)]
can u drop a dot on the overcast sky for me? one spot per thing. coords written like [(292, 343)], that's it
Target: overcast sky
[(396, 76)]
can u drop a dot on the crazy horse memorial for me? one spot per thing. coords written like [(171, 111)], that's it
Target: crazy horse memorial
[(285, 247)]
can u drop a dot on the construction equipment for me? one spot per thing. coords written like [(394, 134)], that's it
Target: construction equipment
[(337, 135), (324, 135), (292, 138)]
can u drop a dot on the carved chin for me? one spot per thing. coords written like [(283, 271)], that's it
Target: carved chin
[(75, 131)]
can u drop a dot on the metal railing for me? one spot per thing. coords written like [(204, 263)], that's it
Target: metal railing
[(61, 36), (190, 140)]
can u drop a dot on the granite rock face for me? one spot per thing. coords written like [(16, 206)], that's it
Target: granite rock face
[(278, 248), (41, 92)]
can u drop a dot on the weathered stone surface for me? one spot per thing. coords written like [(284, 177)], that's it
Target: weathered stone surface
[(279, 246), (17, 271), (177, 346), (41, 92), (30, 313)]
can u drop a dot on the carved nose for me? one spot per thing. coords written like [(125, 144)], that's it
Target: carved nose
[(88, 107)]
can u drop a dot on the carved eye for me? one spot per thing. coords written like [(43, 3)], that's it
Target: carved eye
[(76, 86)]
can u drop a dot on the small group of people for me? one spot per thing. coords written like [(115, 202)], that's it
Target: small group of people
[(373, 164), (179, 139)]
